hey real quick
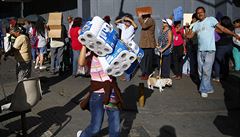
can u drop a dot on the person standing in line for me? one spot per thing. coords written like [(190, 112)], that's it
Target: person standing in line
[(192, 47), (236, 48), (42, 37), (76, 45), (147, 43), (69, 41), (56, 49), (224, 48), (165, 42), (178, 49), (105, 95), (22, 52), (205, 28), (128, 28)]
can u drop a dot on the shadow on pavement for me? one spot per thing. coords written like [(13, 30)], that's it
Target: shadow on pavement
[(52, 117), (230, 125), (167, 131), (47, 82), (128, 114)]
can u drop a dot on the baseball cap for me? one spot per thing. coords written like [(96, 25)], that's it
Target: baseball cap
[(168, 21)]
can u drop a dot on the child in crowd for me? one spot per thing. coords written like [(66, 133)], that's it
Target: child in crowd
[(104, 96), (236, 48)]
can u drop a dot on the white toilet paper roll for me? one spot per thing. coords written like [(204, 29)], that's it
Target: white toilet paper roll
[(132, 56), (117, 73), (82, 39), (133, 46), (90, 45), (92, 28), (125, 65)]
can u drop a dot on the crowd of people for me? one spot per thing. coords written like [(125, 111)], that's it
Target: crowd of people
[(206, 42)]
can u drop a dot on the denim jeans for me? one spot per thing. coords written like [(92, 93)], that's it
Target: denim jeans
[(205, 63), (76, 54), (97, 115), (33, 51), (56, 58)]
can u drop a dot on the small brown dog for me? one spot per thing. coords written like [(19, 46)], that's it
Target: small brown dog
[(158, 82)]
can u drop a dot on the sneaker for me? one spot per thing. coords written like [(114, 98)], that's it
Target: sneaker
[(42, 67), (211, 91), (79, 133), (204, 95), (36, 66), (216, 79)]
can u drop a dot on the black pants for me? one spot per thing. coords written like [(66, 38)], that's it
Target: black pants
[(177, 55), (146, 65), (165, 66)]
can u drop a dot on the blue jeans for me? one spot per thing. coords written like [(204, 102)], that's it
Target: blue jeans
[(33, 51), (56, 58), (97, 114), (205, 63), (165, 66), (76, 54)]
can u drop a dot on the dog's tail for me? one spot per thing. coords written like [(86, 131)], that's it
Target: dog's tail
[(151, 74)]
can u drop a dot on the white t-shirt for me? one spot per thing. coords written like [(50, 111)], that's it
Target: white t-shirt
[(42, 41), (127, 33)]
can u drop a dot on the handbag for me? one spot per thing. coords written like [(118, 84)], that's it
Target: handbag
[(84, 101)]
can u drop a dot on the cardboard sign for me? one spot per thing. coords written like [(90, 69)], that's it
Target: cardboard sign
[(143, 11), (187, 18)]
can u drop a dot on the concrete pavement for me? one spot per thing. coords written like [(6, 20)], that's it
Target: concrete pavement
[(177, 112)]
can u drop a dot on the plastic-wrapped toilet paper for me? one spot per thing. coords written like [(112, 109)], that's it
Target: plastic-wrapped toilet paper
[(125, 65), (107, 39), (135, 64), (83, 39), (105, 65), (132, 56), (92, 28), (133, 46), (120, 52)]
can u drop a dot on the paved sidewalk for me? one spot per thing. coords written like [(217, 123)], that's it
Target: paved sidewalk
[(177, 112)]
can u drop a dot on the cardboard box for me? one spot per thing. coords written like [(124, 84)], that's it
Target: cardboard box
[(55, 18), (54, 23), (55, 33), (143, 11)]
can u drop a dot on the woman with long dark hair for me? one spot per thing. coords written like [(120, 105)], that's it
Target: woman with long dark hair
[(223, 51), (41, 34)]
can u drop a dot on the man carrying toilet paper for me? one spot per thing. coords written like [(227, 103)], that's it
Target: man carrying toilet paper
[(128, 27), (147, 43)]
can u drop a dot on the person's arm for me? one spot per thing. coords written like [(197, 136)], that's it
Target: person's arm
[(170, 37), (189, 34), (118, 21), (82, 57), (227, 31), (132, 22), (147, 23)]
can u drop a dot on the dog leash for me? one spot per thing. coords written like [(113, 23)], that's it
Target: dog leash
[(160, 66)]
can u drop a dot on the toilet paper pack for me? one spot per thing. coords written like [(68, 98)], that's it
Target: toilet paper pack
[(120, 52)]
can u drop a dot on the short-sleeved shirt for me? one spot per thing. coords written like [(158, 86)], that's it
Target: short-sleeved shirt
[(23, 46), (74, 33), (127, 33), (177, 37), (205, 32)]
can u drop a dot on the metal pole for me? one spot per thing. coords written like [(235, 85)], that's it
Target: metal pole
[(22, 8)]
